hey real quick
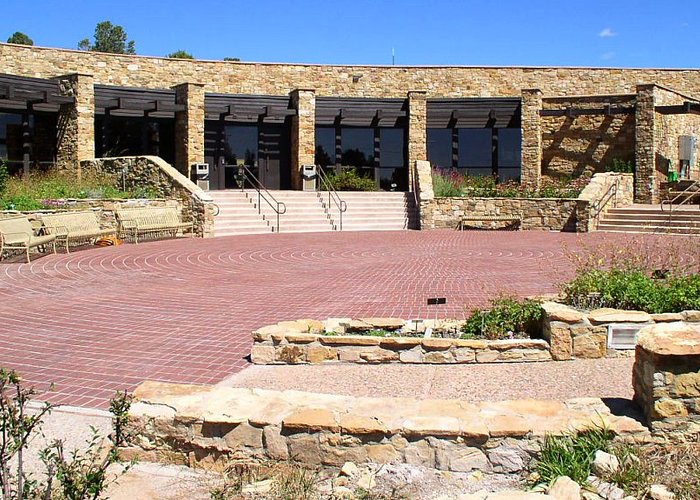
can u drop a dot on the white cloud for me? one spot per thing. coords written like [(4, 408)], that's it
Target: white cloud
[(607, 56), (607, 33)]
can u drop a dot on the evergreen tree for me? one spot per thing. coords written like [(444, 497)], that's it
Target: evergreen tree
[(20, 39), (109, 38)]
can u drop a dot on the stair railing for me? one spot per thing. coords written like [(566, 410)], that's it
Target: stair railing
[(602, 202), (684, 196), (263, 194), (333, 195)]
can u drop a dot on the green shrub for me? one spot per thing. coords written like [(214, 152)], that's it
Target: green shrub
[(571, 455), (507, 318), (447, 184), (4, 175), (633, 289), (621, 166), (350, 180)]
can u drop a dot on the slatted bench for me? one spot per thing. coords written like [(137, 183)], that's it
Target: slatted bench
[(155, 221), (74, 227), (513, 221), (17, 233)]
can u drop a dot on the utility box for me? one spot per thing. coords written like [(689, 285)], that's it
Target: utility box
[(309, 176), (201, 175), (687, 144)]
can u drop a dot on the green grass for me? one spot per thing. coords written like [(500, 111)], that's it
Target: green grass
[(572, 455)]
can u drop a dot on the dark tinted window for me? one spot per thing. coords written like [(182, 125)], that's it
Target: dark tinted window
[(509, 147), (440, 147), (325, 146), (241, 144), (475, 147), (391, 144), (358, 146)]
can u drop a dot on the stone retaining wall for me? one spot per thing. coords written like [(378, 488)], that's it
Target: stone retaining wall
[(604, 191), (549, 214), (206, 426), (298, 342), (153, 174), (575, 334), (666, 379)]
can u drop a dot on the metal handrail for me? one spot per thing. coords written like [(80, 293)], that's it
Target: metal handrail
[(695, 187), (610, 194), (263, 194), (332, 195)]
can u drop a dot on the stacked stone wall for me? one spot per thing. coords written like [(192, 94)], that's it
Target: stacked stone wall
[(584, 144), (668, 128), (666, 379), (604, 192), (206, 426), (376, 81), (548, 214)]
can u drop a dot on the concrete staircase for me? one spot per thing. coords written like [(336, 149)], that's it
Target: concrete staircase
[(651, 219), (310, 212)]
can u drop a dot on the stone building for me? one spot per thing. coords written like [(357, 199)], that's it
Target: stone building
[(58, 107)]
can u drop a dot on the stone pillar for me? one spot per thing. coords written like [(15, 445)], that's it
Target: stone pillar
[(666, 379), (75, 139), (417, 136), (531, 123), (189, 126), (303, 142), (645, 179)]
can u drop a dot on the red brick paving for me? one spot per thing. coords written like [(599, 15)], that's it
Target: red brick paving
[(103, 319)]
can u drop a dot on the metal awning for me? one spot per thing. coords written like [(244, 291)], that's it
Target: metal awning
[(23, 93), (135, 102), (474, 112), (361, 112), (247, 108), (687, 108)]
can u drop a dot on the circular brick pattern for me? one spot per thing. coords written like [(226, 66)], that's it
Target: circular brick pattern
[(103, 319)]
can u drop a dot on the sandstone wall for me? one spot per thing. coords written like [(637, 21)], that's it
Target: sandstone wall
[(376, 81), (152, 174), (604, 191), (666, 379), (667, 129), (584, 335), (584, 144), (206, 426), (549, 214)]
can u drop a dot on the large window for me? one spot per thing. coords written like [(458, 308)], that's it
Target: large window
[(378, 153), (40, 141), (476, 151), (133, 136)]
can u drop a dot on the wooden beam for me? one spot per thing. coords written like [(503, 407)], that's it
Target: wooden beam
[(573, 112), (687, 108)]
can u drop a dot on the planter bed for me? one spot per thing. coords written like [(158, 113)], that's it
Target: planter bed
[(306, 341)]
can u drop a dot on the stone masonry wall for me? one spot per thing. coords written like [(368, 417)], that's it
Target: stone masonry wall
[(549, 214), (155, 175), (666, 379), (576, 145), (584, 335), (667, 129), (206, 426), (604, 191), (376, 81)]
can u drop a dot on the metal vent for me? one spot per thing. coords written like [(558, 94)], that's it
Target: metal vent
[(623, 336)]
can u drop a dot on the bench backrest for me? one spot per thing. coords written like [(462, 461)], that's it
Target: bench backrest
[(72, 221), (150, 216), (16, 229)]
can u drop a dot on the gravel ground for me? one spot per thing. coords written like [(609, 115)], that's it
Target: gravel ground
[(603, 378)]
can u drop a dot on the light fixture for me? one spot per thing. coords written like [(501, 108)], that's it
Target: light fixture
[(356, 78)]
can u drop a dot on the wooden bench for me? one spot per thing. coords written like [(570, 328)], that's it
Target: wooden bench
[(514, 220), (158, 221), (17, 233), (74, 227)]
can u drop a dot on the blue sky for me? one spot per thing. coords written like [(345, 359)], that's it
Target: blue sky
[(626, 33)]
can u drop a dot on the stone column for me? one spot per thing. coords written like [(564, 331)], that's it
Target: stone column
[(189, 126), (645, 180), (666, 379), (303, 142), (531, 153), (417, 142), (75, 139)]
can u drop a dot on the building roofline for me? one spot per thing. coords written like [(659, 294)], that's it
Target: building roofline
[(382, 66)]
